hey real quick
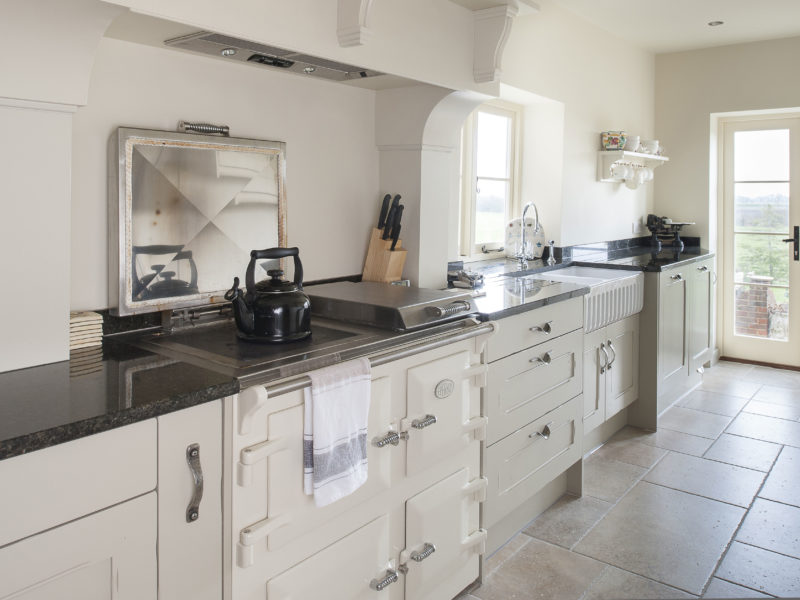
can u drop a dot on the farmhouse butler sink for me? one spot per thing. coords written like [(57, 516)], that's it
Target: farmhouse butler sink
[(614, 294)]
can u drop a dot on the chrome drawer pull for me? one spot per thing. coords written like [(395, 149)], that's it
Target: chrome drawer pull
[(393, 438), (703, 268), (545, 359), (677, 277), (546, 328), (545, 432), (604, 366), (388, 578), (193, 458), (613, 358), (427, 550), (424, 422)]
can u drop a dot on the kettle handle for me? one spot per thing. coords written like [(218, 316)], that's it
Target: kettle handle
[(250, 279)]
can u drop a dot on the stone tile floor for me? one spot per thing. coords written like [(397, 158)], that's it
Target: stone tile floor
[(708, 506)]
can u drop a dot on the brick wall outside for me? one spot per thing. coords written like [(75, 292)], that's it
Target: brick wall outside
[(752, 316)]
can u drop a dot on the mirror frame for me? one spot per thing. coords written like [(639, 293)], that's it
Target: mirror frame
[(120, 194)]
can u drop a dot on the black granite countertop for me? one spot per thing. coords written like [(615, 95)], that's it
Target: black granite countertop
[(640, 258), (96, 390), (513, 295)]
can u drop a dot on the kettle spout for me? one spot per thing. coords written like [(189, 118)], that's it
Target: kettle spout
[(242, 313)]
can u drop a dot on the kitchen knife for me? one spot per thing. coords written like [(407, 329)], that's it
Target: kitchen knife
[(389, 222), (398, 214), (384, 211), (395, 235)]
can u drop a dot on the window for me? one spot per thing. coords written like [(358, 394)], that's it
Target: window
[(488, 179)]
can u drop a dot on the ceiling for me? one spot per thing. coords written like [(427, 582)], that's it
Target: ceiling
[(674, 25)]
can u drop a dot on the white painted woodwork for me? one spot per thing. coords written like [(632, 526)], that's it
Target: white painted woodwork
[(622, 379), (520, 331), (672, 360), (492, 28), (519, 465), (352, 18), (109, 555), (606, 391), (279, 538), (594, 382), (523, 386), (457, 414), (344, 570), (445, 515), (67, 481), (190, 553), (701, 310)]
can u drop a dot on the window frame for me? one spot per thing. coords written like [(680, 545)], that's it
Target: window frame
[(469, 250)]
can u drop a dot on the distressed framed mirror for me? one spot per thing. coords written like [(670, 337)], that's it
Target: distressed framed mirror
[(185, 211)]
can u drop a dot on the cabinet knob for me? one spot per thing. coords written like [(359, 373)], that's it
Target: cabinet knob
[(426, 551), (544, 433), (393, 438), (545, 359), (387, 579), (703, 268), (676, 277), (546, 328), (424, 422)]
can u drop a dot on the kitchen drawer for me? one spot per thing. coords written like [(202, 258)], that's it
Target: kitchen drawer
[(344, 570), (61, 483), (521, 464), (524, 386), (534, 327)]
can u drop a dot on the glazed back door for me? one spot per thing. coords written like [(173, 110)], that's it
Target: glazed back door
[(761, 241)]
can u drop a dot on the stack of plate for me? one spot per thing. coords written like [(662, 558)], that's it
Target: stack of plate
[(85, 330)]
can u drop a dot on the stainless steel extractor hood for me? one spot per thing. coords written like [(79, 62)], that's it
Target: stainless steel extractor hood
[(231, 48)]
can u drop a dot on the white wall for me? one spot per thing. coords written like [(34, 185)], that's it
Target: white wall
[(690, 87), (34, 236), (332, 161), (603, 83)]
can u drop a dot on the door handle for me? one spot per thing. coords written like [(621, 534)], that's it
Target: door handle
[(795, 239), (613, 358), (604, 366)]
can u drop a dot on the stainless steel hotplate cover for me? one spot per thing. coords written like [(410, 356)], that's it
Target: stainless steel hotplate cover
[(387, 306)]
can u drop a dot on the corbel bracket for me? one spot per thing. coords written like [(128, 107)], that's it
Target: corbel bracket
[(352, 22), (492, 27)]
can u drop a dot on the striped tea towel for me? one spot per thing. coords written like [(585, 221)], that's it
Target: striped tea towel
[(335, 431)]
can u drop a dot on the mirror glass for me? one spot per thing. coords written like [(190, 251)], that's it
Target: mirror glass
[(191, 208)]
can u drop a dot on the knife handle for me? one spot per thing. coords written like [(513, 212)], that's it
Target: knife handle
[(384, 211), (395, 236), (389, 222)]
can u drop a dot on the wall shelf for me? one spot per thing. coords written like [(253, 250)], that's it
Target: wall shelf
[(607, 158)]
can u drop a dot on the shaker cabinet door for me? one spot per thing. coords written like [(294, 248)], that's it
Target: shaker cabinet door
[(595, 358), (443, 410), (443, 539), (189, 523), (107, 555), (622, 378), (672, 326), (701, 298), (350, 569)]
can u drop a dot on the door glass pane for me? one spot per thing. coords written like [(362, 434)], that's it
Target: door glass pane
[(761, 207), (761, 155), (492, 152), (760, 259), (490, 211), (762, 311)]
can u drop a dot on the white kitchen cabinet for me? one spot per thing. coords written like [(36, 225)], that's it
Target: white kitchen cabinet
[(424, 426), (190, 503), (610, 371), (46, 488), (700, 335), (534, 405), (676, 337), (108, 555)]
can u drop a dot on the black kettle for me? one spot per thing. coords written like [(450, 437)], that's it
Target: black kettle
[(273, 310)]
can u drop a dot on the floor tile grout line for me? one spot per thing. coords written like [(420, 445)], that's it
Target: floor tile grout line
[(747, 587), (745, 508), (797, 558), (738, 528)]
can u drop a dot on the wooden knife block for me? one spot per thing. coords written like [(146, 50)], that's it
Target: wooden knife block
[(383, 264)]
